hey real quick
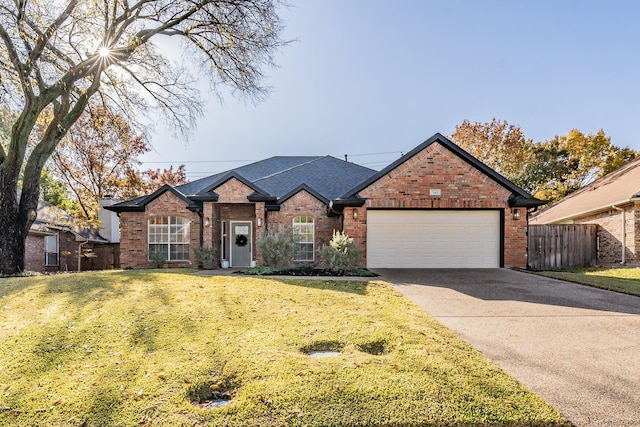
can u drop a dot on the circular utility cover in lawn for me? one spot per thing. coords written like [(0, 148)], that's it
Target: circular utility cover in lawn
[(215, 404), (323, 348), (323, 353)]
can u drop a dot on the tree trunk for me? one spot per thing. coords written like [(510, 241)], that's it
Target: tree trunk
[(14, 227)]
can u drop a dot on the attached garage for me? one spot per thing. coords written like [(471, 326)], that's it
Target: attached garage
[(404, 238)]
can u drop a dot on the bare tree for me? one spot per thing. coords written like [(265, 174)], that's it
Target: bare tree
[(59, 54)]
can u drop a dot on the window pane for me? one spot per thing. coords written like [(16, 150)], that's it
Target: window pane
[(51, 258), (169, 236), (305, 252), (51, 243), (162, 250), (51, 250), (303, 230), (179, 252)]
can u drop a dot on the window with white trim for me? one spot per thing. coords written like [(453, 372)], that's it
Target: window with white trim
[(169, 238), (51, 250), (304, 231)]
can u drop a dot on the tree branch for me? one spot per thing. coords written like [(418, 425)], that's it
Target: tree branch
[(43, 39), (15, 61)]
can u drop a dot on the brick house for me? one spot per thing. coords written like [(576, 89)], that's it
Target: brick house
[(59, 242), (436, 206), (613, 203)]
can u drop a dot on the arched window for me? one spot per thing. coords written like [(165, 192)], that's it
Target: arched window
[(169, 238), (303, 229)]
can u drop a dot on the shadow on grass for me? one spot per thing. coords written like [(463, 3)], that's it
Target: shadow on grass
[(358, 287), (87, 286)]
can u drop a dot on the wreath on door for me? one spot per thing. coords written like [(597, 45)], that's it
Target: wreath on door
[(241, 240)]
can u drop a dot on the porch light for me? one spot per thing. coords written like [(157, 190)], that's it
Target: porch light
[(355, 213), (259, 221), (516, 214), (207, 222)]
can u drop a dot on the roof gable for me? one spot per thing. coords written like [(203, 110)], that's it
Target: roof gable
[(519, 196), (304, 187), (138, 204), (229, 176), (271, 180)]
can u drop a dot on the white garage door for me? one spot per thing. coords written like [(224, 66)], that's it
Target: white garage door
[(433, 239)]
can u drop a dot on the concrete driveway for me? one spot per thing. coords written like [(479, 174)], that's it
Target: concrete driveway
[(576, 347)]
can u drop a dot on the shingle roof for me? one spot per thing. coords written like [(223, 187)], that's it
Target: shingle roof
[(251, 172), (50, 216), (324, 176), (614, 188)]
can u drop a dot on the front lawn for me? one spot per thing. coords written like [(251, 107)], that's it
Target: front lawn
[(624, 280), (143, 348)]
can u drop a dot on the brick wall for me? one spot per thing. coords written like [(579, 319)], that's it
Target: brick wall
[(304, 203), (68, 254), (462, 187), (134, 235), (610, 233), (34, 253), (233, 191)]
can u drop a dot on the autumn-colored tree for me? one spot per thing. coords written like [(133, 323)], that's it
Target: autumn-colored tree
[(57, 55), (574, 160), (547, 173), (99, 157), (157, 178), (549, 170), (501, 146)]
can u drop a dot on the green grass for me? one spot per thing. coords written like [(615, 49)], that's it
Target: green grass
[(624, 280), (131, 348)]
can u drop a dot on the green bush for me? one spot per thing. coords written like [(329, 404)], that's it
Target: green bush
[(204, 256), (341, 256), (278, 247), (157, 259)]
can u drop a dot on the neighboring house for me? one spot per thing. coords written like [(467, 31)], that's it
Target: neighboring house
[(613, 203), (436, 206), (57, 241)]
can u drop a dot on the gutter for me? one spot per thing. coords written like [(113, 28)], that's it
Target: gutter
[(587, 211), (623, 232)]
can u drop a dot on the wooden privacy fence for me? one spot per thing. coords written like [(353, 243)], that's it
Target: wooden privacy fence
[(560, 247), (106, 257)]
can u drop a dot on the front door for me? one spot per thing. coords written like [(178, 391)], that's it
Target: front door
[(240, 244)]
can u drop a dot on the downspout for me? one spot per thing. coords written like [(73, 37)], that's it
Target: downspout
[(624, 233)]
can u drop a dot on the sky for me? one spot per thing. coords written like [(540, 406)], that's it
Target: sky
[(372, 79)]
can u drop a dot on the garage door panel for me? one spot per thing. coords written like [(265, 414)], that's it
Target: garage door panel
[(433, 239)]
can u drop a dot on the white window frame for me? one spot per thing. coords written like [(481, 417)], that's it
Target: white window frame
[(170, 231), (305, 230), (48, 253)]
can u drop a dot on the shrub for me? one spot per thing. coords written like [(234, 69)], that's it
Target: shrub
[(204, 256), (278, 247), (157, 259), (341, 256)]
